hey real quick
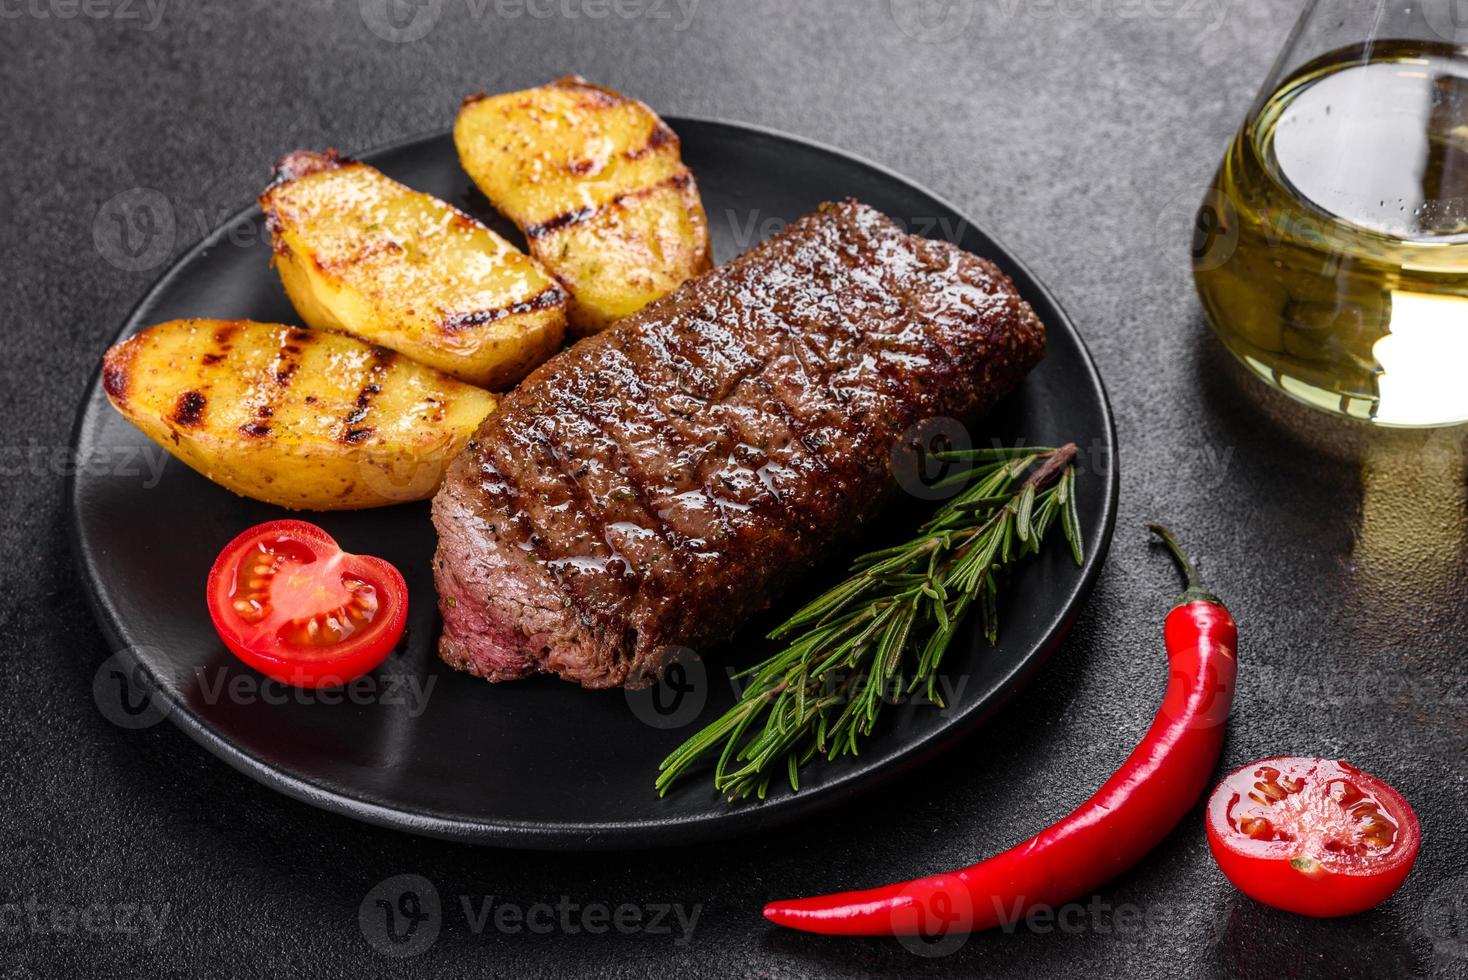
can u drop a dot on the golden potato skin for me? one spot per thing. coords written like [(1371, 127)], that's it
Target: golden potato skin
[(596, 182), (294, 417), (362, 254)]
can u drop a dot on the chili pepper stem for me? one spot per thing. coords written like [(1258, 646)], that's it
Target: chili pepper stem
[(1193, 589)]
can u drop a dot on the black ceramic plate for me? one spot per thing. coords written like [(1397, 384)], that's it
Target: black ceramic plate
[(539, 763)]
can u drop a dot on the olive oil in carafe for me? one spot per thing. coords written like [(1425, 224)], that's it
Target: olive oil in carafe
[(1331, 251)]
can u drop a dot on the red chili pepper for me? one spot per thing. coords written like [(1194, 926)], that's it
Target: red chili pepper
[(1159, 782)]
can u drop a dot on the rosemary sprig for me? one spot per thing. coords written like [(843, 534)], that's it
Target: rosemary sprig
[(883, 632)]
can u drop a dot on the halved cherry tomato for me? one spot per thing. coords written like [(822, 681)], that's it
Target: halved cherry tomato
[(1313, 836), (294, 606)]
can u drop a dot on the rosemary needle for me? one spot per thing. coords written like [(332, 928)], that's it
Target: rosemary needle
[(882, 633)]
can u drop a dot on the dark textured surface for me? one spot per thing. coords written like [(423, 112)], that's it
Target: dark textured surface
[(1081, 134)]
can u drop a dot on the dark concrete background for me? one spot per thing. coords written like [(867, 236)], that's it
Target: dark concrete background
[(1081, 135)]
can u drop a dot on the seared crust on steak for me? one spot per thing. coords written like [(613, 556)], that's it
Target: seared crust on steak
[(658, 483)]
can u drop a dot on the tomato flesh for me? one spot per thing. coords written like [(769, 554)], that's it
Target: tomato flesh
[(290, 603), (1314, 836)]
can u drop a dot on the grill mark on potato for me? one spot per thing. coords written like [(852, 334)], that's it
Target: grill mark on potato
[(660, 137), (117, 370), (303, 163), (287, 362), (680, 180), (351, 431), (336, 266), (188, 411), (225, 334), (550, 296), (592, 96), (288, 359), (562, 220)]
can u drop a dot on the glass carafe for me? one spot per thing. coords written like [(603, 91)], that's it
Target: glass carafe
[(1331, 250)]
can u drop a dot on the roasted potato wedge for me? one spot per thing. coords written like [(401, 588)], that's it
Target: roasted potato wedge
[(299, 418), (596, 182), (360, 253)]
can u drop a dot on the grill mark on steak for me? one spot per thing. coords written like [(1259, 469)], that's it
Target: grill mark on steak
[(685, 486), (631, 405), (750, 413), (620, 488), (566, 537), (607, 491)]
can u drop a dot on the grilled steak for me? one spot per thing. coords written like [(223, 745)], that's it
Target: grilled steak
[(658, 483)]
